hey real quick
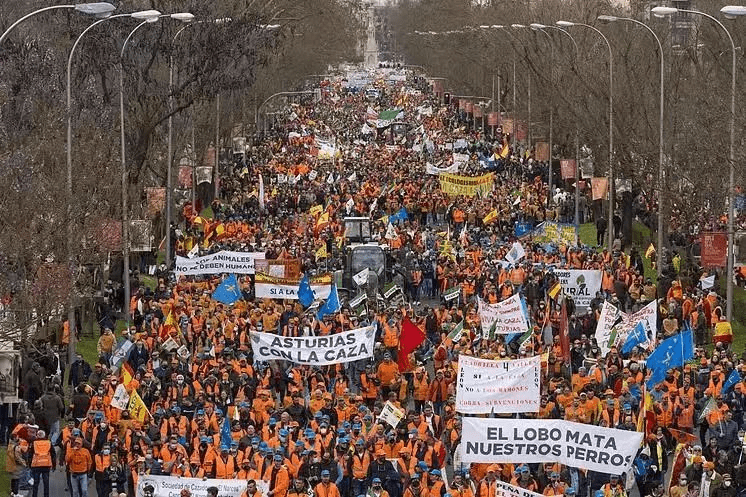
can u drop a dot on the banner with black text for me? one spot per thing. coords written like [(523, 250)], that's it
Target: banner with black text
[(500, 440), (171, 486), (217, 263), (485, 386), (348, 346)]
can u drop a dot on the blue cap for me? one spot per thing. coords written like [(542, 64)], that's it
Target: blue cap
[(176, 409), (317, 415), (205, 439), (422, 465), (376, 480), (415, 476), (234, 444), (570, 491), (341, 431), (343, 440), (360, 442), (272, 421), (325, 472), (200, 412), (284, 433), (218, 412), (524, 469), (305, 453), (298, 443), (357, 426), (554, 474), (311, 436), (256, 440), (224, 448), (435, 472), (278, 457)]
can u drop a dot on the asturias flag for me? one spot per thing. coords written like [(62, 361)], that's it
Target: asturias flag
[(228, 292), (331, 305), (305, 292)]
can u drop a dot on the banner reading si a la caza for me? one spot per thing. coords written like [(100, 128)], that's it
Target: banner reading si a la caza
[(581, 285), (287, 288), (343, 347), (171, 486), (453, 184), (220, 262), (498, 386), (494, 440), (504, 317)]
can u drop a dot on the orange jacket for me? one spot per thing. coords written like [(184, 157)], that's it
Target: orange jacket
[(78, 460)]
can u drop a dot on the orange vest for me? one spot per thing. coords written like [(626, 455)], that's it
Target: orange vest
[(42, 456)]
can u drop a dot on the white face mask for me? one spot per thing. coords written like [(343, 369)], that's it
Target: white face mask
[(727, 483)]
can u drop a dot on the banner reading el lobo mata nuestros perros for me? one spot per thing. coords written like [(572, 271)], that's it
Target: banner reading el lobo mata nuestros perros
[(494, 440), (339, 348)]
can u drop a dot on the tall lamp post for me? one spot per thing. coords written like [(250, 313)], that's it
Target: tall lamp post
[(577, 133), (610, 223), (184, 17), (96, 9), (729, 11), (661, 172)]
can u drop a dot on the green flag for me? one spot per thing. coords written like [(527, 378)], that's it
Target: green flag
[(455, 334)]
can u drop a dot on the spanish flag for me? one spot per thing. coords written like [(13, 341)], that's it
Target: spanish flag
[(322, 222), (491, 216), (505, 151), (168, 325)]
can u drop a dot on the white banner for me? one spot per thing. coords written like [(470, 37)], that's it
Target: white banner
[(581, 285), (220, 262), (343, 347), (267, 290), (614, 326), (120, 354), (503, 440), (430, 169), (171, 486), (486, 386), (503, 489), (507, 317)]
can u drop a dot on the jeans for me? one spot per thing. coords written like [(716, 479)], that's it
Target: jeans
[(54, 432), (80, 484), (38, 474)]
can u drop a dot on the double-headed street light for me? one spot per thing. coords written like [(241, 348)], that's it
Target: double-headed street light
[(661, 172), (96, 9), (730, 11), (610, 223)]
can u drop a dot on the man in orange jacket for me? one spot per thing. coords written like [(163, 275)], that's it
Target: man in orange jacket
[(79, 463)]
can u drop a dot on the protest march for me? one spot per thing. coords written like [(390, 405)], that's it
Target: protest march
[(479, 349)]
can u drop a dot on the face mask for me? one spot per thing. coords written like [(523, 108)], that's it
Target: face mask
[(726, 483), (323, 431), (107, 452)]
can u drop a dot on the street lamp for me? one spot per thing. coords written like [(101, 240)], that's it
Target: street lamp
[(610, 223), (183, 17), (96, 9), (729, 11), (539, 27), (661, 174)]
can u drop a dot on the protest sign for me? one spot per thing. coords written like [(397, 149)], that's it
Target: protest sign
[(516, 253), (172, 486), (121, 353), (121, 398), (503, 489), (581, 285), (509, 317), (558, 233), (453, 184), (502, 440), (340, 348), (614, 325), (267, 287), (219, 262), (498, 386), (430, 169), (391, 414)]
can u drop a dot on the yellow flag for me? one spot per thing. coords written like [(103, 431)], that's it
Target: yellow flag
[(137, 408), (491, 216), (650, 251), (505, 151), (555, 290), (321, 252), (219, 229), (315, 210)]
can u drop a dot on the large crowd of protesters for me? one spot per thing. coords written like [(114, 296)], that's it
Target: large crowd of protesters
[(297, 430)]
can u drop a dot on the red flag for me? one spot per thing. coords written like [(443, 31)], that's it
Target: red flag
[(411, 338), (564, 331)]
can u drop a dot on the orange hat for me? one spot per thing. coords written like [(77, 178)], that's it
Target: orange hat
[(709, 465), (493, 467), (609, 391), (380, 452), (697, 459)]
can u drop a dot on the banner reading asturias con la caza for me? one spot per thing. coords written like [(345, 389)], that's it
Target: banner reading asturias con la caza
[(340, 348)]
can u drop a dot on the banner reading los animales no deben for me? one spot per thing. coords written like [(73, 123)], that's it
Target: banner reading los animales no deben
[(340, 348), (496, 440), (485, 386), (219, 262), (454, 184), (267, 287)]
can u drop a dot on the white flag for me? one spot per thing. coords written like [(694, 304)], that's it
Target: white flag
[(390, 232), (194, 251), (352, 177), (516, 253), (312, 175), (261, 192), (707, 282), (330, 179)]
